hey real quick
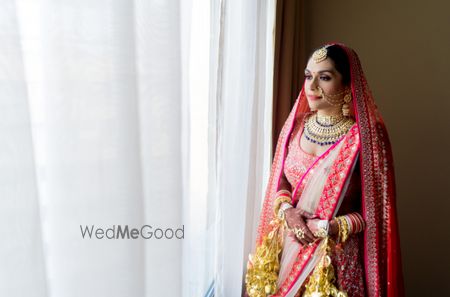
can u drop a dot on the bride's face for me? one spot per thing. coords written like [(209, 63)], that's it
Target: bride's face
[(322, 75)]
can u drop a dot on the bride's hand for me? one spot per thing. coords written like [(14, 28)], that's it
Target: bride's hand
[(295, 219), (313, 225)]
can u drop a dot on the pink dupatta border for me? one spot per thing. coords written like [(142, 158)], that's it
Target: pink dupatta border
[(382, 258)]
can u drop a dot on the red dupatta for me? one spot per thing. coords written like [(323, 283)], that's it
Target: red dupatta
[(383, 271)]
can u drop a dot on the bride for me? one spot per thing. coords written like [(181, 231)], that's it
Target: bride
[(332, 187)]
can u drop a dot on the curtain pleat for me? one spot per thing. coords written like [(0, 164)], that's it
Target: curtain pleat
[(22, 256), (242, 96), (92, 138)]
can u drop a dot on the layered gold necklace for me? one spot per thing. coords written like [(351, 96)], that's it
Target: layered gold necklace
[(326, 130)]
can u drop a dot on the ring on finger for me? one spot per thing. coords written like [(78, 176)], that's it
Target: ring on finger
[(300, 233), (321, 232)]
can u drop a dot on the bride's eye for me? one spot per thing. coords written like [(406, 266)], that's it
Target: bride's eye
[(325, 78), (308, 76)]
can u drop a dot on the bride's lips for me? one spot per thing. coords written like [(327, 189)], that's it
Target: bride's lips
[(313, 97)]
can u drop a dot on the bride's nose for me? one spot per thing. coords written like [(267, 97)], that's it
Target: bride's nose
[(313, 84)]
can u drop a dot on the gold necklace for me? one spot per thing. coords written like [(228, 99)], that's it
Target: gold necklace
[(325, 130)]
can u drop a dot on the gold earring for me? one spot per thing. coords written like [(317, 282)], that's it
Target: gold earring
[(345, 106)]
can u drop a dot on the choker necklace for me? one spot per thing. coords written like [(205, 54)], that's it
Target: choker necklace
[(325, 130)]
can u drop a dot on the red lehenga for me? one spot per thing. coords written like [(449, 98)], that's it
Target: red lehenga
[(354, 175)]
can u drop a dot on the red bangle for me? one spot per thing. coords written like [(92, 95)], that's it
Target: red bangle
[(362, 224), (351, 227), (283, 193), (359, 222), (354, 223)]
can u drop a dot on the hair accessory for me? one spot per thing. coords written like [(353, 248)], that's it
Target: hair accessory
[(320, 54)]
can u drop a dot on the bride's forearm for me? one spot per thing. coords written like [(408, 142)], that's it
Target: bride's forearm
[(284, 184)]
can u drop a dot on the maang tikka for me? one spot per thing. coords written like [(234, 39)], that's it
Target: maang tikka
[(320, 54)]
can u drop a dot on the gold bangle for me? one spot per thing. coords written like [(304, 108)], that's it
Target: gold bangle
[(345, 232), (339, 229), (343, 229)]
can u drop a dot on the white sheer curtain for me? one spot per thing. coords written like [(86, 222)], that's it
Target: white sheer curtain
[(96, 129), (241, 88), (108, 111)]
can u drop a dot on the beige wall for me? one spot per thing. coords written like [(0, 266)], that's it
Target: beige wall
[(404, 47)]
